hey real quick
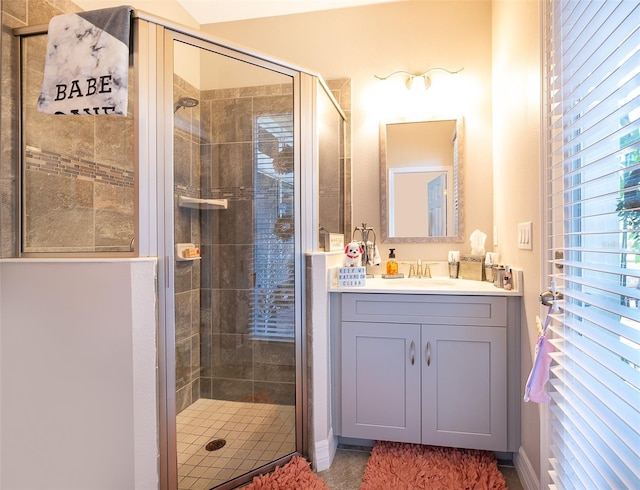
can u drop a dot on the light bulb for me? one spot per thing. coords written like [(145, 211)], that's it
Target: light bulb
[(418, 82)]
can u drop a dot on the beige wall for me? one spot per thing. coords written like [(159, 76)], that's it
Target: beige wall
[(361, 42), (516, 160)]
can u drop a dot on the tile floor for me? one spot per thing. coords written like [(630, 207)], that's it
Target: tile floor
[(255, 434), (348, 467)]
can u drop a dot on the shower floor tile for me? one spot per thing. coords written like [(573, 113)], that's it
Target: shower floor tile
[(255, 434)]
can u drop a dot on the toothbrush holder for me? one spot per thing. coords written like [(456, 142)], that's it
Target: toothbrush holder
[(488, 272), (454, 269)]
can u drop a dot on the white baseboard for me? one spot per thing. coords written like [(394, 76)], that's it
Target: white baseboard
[(528, 478), (325, 451)]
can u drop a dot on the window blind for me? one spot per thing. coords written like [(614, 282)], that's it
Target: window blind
[(273, 305), (592, 208)]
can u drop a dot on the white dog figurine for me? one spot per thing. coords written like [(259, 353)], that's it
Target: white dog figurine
[(353, 251)]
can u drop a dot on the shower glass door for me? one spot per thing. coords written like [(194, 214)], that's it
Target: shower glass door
[(235, 266)]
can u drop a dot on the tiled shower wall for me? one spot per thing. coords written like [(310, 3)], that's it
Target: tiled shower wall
[(234, 365), (214, 158), (337, 184), (76, 205), (78, 176), (230, 366), (187, 169), (16, 13)]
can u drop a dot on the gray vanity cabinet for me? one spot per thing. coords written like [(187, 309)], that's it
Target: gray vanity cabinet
[(464, 387), (428, 369), (381, 381)]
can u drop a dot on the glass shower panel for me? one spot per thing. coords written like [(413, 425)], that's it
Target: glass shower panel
[(235, 300), (331, 169), (77, 176)]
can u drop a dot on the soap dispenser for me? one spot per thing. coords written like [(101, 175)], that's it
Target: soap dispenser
[(392, 265)]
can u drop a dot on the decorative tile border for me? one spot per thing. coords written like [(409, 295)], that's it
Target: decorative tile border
[(51, 163)]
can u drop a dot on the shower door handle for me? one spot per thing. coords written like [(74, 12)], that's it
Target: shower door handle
[(166, 272)]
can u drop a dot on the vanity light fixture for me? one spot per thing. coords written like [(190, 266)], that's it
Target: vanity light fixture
[(413, 80)]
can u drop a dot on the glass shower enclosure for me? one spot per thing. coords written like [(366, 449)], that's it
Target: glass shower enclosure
[(227, 167), (236, 306), (244, 173)]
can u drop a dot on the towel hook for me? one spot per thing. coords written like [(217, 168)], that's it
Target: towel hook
[(547, 298)]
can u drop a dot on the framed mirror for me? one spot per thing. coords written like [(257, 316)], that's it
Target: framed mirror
[(421, 181)]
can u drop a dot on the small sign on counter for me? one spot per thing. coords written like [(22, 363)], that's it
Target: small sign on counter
[(333, 242), (351, 276)]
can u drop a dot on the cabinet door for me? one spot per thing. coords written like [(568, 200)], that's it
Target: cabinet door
[(381, 381), (464, 387)]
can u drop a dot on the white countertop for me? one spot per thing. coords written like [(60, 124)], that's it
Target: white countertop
[(435, 285)]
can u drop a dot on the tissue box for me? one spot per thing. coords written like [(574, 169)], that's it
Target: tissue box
[(472, 267)]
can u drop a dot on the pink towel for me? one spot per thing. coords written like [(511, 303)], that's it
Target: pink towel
[(534, 390)]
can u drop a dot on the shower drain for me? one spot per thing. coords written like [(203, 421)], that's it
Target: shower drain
[(215, 444)]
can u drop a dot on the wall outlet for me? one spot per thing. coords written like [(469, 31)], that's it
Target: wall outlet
[(525, 235)]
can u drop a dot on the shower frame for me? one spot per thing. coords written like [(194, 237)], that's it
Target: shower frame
[(154, 208), (155, 83)]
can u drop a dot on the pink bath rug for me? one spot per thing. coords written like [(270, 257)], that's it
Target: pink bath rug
[(399, 466), (295, 475)]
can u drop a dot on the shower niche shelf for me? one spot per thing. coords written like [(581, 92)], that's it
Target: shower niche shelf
[(198, 203), (187, 251)]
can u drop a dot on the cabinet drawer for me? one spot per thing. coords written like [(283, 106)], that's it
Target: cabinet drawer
[(425, 309)]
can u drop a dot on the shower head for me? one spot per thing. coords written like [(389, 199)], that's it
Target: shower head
[(185, 102)]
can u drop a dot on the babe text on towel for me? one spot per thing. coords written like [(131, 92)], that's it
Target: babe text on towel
[(87, 64)]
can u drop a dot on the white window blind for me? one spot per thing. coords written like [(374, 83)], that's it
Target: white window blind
[(273, 310), (592, 201)]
